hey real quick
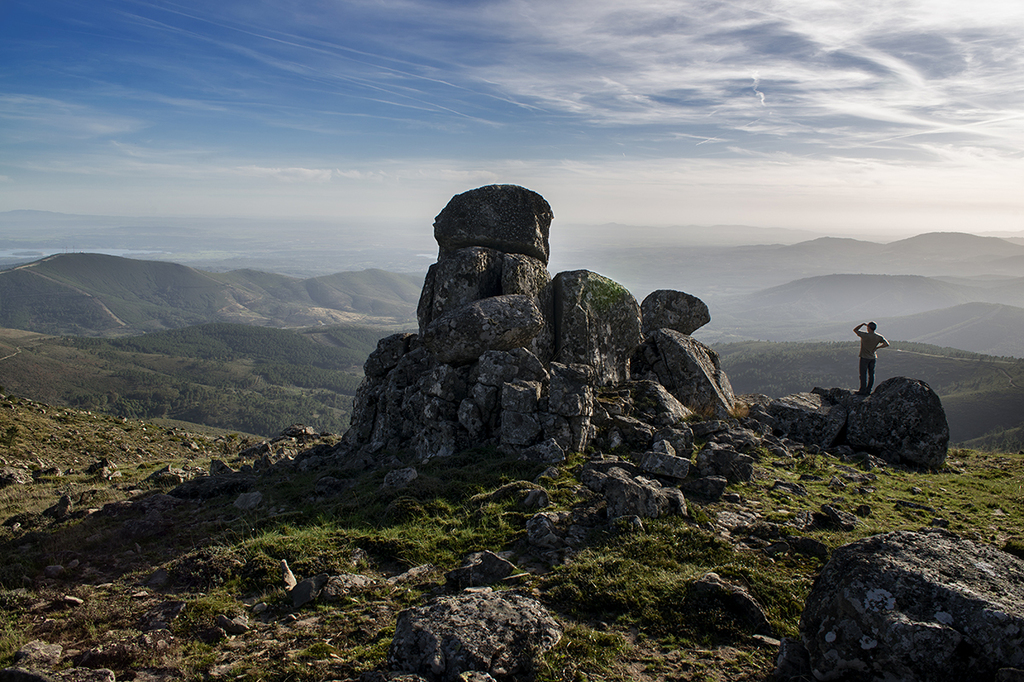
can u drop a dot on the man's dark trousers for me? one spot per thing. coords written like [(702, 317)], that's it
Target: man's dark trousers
[(867, 375)]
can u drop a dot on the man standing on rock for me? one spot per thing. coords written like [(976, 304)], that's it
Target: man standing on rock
[(869, 343)]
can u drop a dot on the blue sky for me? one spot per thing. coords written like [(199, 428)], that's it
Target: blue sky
[(898, 115)]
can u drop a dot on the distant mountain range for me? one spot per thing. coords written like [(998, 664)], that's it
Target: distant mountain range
[(92, 294), (947, 289), (980, 319)]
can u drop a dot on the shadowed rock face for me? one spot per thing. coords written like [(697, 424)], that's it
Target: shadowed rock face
[(508, 218), (915, 606), (688, 369), (903, 421)]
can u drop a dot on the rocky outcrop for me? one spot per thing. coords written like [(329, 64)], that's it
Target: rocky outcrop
[(805, 417), (902, 421), (499, 633), (496, 323), (925, 606)]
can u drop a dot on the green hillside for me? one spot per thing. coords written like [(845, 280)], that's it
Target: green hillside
[(981, 394), (252, 379), (98, 295)]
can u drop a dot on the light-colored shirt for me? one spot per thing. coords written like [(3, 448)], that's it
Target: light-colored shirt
[(869, 343)]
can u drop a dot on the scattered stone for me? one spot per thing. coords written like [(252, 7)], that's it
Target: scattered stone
[(287, 576), (666, 465), (233, 626), (342, 585), (841, 519), (14, 476), (396, 479), (500, 633), (249, 501), (479, 569), (789, 488), (61, 510), (707, 488), (629, 496), (808, 546), (38, 654), (307, 590), (711, 587)]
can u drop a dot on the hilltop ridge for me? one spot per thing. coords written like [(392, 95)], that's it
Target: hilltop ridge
[(95, 294)]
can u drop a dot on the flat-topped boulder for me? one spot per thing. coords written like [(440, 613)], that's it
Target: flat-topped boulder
[(508, 218)]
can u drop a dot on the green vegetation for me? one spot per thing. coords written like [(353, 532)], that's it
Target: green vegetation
[(250, 379), (981, 394), (625, 599)]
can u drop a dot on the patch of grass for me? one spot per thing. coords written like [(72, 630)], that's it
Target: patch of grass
[(643, 579), (581, 653)]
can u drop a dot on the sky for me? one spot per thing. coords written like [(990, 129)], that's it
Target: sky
[(880, 115)]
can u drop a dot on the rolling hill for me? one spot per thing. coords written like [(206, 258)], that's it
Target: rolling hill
[(94, 294), (237, 377)]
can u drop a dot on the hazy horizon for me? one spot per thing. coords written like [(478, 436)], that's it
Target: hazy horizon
[(877, 119)]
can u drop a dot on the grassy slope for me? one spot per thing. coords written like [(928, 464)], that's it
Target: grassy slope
[(249, 379), (981, 394), (624, 600)]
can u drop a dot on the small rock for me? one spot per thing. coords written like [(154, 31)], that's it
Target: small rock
[(287, 576), (308, 590), (249, 501), (233, 626)]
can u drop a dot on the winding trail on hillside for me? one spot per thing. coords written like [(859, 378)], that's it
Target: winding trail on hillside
[(1009, 378), (16, 352), (103, 306)]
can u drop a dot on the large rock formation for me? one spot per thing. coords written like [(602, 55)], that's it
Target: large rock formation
[(506, 355), (915, 607), (509, 357), (597, 323)]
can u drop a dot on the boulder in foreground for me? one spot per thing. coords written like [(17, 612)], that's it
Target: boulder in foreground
[(499, 633), (915, 607)]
